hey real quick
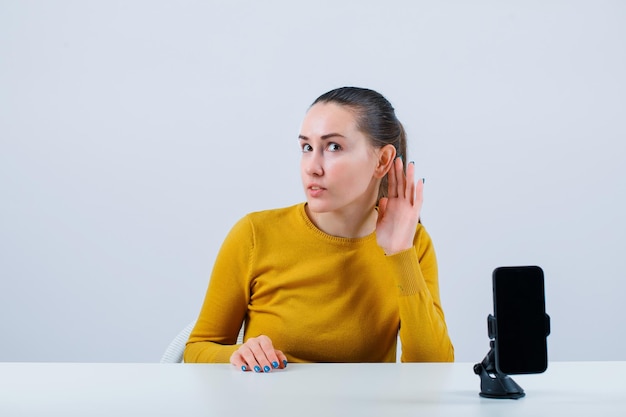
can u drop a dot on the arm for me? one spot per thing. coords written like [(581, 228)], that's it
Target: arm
[(423, 331), (223, 311), (214, 337)]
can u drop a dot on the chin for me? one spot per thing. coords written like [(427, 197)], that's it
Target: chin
[(318, 207)]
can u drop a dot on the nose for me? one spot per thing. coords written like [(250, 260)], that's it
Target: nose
[(312, 163)]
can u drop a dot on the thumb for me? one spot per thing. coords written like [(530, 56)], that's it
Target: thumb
[(382, 208)]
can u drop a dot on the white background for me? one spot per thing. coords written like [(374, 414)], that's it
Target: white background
[(133, 134)]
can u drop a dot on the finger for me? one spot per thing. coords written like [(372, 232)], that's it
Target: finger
[(270, 354), (263, 352), (382, 207), (419, 194), (410, 182), (237, 361), (248, 357), (282, 359), (400, 179), (392, 190)]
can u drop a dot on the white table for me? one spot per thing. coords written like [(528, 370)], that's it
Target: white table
[(103, 389)]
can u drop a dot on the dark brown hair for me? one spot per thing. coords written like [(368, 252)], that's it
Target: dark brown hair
[(375, 117)]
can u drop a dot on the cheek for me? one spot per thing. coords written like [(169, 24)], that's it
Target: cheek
[(350, 173), (303, 174)]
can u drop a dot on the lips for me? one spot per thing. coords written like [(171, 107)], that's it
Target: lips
[(315, 190)]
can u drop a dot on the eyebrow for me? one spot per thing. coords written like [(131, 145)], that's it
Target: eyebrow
[(324, 137)]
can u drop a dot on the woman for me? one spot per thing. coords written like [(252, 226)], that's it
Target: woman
[(337, 278)]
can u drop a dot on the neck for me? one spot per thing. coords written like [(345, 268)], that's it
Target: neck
[(347, 223)]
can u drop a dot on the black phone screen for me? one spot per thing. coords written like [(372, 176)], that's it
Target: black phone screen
[(521, 325)]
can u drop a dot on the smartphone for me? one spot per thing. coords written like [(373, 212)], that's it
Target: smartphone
[(521, 322)]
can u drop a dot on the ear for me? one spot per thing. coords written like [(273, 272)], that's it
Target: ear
[(386, 156)]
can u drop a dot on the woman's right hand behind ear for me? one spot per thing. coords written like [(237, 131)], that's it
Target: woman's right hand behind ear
[(258, 354)]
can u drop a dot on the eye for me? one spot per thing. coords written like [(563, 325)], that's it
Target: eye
[(333, 147), (306, 147)]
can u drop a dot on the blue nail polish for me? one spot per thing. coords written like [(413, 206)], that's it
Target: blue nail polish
[(244, 368), (257, 368), (423, 180), (275, 365), (266, 368), (285, 363), (412, 162)]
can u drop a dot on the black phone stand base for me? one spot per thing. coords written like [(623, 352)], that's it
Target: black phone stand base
[(495, 384)]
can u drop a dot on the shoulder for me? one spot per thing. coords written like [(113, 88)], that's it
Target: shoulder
[(260, 226), (264, 216), (270, 222)]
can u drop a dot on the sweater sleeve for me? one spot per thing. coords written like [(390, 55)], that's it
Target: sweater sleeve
[(225, 304), (423, 331)]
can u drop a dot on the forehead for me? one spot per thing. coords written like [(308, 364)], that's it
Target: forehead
[(325, 118)]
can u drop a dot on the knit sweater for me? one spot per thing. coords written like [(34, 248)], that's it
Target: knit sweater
[(320, 298)]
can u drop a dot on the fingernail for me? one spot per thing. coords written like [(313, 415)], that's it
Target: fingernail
[(266, 368), (275, 365), (244, 368), (412, 162), (423, 180), (257, 368), (400, 157), (285, 363)]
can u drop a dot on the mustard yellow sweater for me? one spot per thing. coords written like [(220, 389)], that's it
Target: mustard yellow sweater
[(320, 298)]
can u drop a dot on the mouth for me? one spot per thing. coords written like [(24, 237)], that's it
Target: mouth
[(315, 190), (315, 187)]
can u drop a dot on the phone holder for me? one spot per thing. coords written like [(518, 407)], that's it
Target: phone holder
[(493, 383)]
